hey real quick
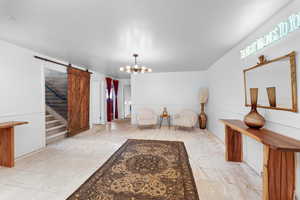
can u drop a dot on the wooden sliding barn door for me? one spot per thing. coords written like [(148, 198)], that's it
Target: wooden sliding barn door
[(78, 100)]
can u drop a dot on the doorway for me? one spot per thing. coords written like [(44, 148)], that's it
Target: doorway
[(56, 105), (127, 101)]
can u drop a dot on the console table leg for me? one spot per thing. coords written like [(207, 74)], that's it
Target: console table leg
[(279, 175), (7, 147), (234, 145)]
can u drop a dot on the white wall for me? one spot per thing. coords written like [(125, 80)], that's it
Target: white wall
[(54, 67), (227, 91), (174, 90), (22, 96)]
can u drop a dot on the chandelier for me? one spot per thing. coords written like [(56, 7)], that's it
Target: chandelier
[(135, 69)]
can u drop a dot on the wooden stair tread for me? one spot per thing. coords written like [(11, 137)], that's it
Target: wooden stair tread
[(52, 121), (56, 127), (57, 134)]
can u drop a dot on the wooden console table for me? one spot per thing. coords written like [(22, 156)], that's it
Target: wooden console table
[(7, 147), (279, 157)]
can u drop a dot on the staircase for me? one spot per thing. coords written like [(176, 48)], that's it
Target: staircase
[(55, 129), (56, 91), (56, 101), (56, 105)]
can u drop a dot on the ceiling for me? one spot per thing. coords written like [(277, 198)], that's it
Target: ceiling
[(169, 35)]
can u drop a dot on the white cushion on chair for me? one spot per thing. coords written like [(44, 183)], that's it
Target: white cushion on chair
[(146, 116), (186, 118)]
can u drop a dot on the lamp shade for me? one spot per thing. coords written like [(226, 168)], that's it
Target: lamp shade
[(203, 95)]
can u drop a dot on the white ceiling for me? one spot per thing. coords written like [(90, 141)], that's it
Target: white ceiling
[(169, 35)]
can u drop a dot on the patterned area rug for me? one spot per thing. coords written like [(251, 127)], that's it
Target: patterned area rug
[(142, 170)]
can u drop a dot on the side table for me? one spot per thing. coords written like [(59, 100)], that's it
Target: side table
[(161, 119)]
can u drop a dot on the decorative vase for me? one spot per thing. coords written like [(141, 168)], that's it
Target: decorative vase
[(202, 118), (254, 119), (272, 96)]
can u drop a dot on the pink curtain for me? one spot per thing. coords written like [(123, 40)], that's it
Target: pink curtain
[(109, 100), (116, 86)]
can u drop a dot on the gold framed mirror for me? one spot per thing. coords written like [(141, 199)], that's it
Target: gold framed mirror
[(276, 81)]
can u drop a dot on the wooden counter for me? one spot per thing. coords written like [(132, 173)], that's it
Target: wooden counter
[(279, 157), (7, 147)]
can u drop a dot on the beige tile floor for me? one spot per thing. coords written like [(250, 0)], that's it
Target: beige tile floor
[(58, 170)]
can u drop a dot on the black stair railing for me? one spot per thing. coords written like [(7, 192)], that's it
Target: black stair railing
[(62, 97), (61, 107)]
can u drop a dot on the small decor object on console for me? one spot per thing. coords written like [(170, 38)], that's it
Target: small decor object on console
[(261, 60), (254, 119), (203, 101), (272, 96)]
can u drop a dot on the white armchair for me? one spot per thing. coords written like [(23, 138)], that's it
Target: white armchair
[(186, 119), (146, 117)]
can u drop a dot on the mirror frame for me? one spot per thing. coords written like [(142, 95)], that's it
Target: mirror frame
[(262, 63)]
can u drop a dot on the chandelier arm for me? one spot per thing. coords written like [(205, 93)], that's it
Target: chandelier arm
[(135, 69), (135, 58)]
